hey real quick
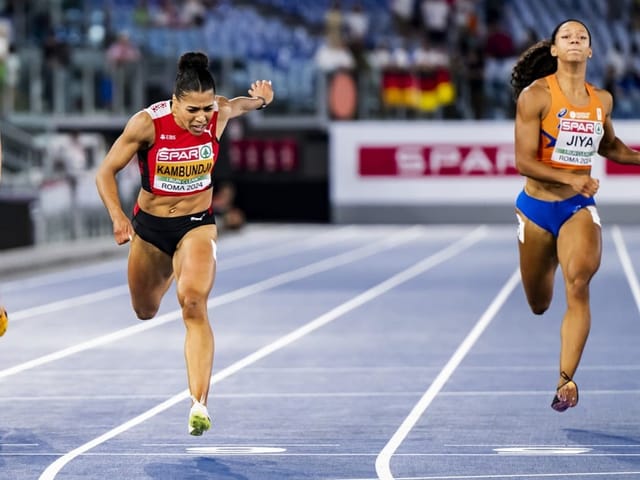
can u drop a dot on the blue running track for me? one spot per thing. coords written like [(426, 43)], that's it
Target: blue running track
[(342, 353)]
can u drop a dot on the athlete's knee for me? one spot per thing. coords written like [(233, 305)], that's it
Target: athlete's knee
[(538, 308), (578, 286), (145, 314), (539, 301), (146, 311), (193, 304)]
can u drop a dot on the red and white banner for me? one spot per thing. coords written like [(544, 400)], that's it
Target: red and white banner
[(452, 162), (436, 160)]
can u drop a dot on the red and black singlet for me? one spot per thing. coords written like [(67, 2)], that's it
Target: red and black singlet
[(178, 163)]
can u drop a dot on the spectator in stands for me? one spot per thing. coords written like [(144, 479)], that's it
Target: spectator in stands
[(123, 51), (465, 16), (56, 53), (405, 14), (398, 86), (173, 232), (469, 68), (334, 23), (333, 55), (356, 23), (123, 58), (193, 13), (142, 14), (500, 55), (467, 59), (166, 15), (436, 16), (562, 123), (72, 153), (11, 78), (5, 42), (434, 88), (380, 56)]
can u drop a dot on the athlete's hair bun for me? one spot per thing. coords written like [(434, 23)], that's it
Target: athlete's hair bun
[(193, 60)]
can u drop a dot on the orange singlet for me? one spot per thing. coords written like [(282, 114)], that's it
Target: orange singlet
[(570, 135)]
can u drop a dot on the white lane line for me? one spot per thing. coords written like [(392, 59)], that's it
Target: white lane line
[(172, 445), (240, 293), (251, 258), (251, 238), (508, 476), (19, 444), (97, 398), (368, 295), (78, 273), (627, 264), (537, 445), (297, 245), (397, 369), (69, 303), (383, 468), (347, 454), (279, 395)]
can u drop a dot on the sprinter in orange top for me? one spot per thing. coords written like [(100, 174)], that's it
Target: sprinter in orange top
[(562, 123)]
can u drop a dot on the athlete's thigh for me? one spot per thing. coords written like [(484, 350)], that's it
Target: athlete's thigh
[(150, 273), (538, 260), (580, 245), (194, 261)]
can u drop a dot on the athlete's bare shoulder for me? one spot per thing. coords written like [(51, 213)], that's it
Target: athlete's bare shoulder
[(538, 89), (605, 97), (224, 106), (140, 128), (535, 98)]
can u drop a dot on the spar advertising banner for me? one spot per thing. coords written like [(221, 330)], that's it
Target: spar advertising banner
[(448, 162)]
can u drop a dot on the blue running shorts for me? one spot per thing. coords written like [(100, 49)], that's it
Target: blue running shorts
[(552, 215)]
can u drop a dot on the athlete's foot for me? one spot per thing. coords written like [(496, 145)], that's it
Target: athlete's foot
[(199, 420), (566, 394)]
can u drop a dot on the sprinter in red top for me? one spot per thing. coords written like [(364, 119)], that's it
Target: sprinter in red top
[(179, 162), (562, 124), (173, 231)]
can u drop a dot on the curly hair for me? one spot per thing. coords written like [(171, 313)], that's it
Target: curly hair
[(537, 61)]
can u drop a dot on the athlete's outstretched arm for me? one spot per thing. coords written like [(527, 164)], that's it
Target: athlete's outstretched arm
[(138, 133), (261, 95)]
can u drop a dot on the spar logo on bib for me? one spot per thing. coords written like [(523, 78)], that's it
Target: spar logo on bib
[(581, 127), (577, 143), (199, 152), (184, 169), (206, 151)]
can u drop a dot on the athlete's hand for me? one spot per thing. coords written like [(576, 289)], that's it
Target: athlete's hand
[(122, 230), (262, 88), (585, 185)]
